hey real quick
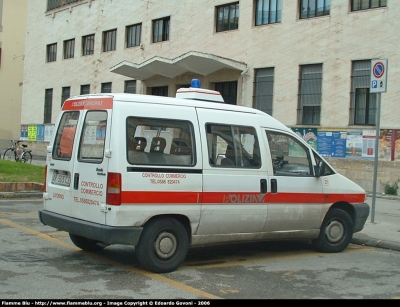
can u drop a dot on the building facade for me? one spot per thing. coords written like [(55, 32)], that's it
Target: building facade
[(12, 55), (305, 62)]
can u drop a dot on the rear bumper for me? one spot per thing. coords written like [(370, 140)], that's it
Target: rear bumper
[(361, 213), (98, 232)]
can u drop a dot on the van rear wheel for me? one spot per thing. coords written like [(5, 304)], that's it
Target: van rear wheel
[(85, 243), (336, 232), (163, 245)]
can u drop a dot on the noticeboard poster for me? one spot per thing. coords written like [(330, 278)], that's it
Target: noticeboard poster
[(354, 143), (48, 133), (32, 132), (309, 135), (368, 143), (23, 136), (386, 137), (397, 146), (332, 143)]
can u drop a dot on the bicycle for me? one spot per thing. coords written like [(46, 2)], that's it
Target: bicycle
[(11, 153)]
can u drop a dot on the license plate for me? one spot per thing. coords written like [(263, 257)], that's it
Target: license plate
[(61, 179)]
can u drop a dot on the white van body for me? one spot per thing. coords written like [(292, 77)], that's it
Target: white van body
[(154, 172)]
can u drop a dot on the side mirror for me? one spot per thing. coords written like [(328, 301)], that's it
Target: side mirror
[(319, 169)]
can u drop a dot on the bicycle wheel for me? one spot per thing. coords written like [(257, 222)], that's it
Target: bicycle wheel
[(9, 155), (27, 157)]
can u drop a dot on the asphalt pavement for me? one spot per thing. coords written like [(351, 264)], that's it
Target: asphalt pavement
[(382, 228)]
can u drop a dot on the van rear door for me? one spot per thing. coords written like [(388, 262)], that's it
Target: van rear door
[(78, 167)]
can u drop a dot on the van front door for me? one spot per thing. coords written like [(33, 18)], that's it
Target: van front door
[(295, 201)]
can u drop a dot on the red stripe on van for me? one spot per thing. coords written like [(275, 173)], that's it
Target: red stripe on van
[(177, 197), (88, 104), (152, 197)]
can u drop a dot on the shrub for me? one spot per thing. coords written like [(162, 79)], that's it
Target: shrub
[(391, 187)]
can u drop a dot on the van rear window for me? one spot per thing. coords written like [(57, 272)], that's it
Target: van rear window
[(65, 136), (91, 147), (155, 141)]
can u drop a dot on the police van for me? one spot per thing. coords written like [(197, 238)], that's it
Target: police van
[(164, 174)]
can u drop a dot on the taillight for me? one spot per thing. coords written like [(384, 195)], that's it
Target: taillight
[(114, 185), (45, 178)]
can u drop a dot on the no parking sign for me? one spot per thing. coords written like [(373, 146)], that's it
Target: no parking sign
[(378, 76)]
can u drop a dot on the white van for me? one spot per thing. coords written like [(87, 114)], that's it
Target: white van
[(163, 174)]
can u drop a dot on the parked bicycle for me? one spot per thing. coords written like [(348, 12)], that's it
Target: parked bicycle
[(18, 153)]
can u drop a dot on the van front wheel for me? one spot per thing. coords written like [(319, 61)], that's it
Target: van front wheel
[(85, 243), (163, 245), (336, 232)]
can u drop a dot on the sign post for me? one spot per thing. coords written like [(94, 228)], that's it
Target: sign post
[(378, 85)]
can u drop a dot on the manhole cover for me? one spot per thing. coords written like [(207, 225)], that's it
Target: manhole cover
[(22, 257)]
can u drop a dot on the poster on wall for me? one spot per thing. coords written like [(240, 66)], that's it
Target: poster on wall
[(40, 133), (308, 134), (354, 143), (368, 147), (23, 133), (32, 132), (332, 143), (397, 146), (386, 148), (48, 132)]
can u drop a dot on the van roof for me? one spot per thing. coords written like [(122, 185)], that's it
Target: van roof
[(140, 98)]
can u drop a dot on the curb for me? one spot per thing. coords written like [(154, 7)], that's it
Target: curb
[(367, 241), (21, 195)]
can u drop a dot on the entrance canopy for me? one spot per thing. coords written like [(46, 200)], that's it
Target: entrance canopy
[(195, 62)]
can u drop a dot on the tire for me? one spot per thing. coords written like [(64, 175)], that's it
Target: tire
[(163, 245), (85, 243), (26, 157), (336, 232), (9, 155)]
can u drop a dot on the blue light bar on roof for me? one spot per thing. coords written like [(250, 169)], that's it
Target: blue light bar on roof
[(195, 83)]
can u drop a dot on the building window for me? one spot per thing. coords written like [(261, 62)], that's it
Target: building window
[(85, 89), (263, 89), (363, 103), (106, 87), (314, 8), (109, 40), (228, 17), (133, 35), (69, 48), (48, 104), (88, 44), (268, 11), (51, 52), (161, 29), (53, 4), (130, 86), (357, 5), (160, 91), (65, 93), (228, 91), (310, 86)]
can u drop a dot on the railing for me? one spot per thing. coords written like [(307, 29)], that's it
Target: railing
[(53, 4)]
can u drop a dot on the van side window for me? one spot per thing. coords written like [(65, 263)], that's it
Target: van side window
[(91, 148), (289, 156), (233, 146), (156, 141), (65, 136)]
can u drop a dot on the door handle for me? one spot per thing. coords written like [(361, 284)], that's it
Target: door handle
[(263, 186), (76, 181), (274, 186)]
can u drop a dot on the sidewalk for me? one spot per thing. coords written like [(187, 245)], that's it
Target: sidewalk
[(382, 228)]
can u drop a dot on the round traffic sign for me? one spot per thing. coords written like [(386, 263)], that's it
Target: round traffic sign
[(378, 69)]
